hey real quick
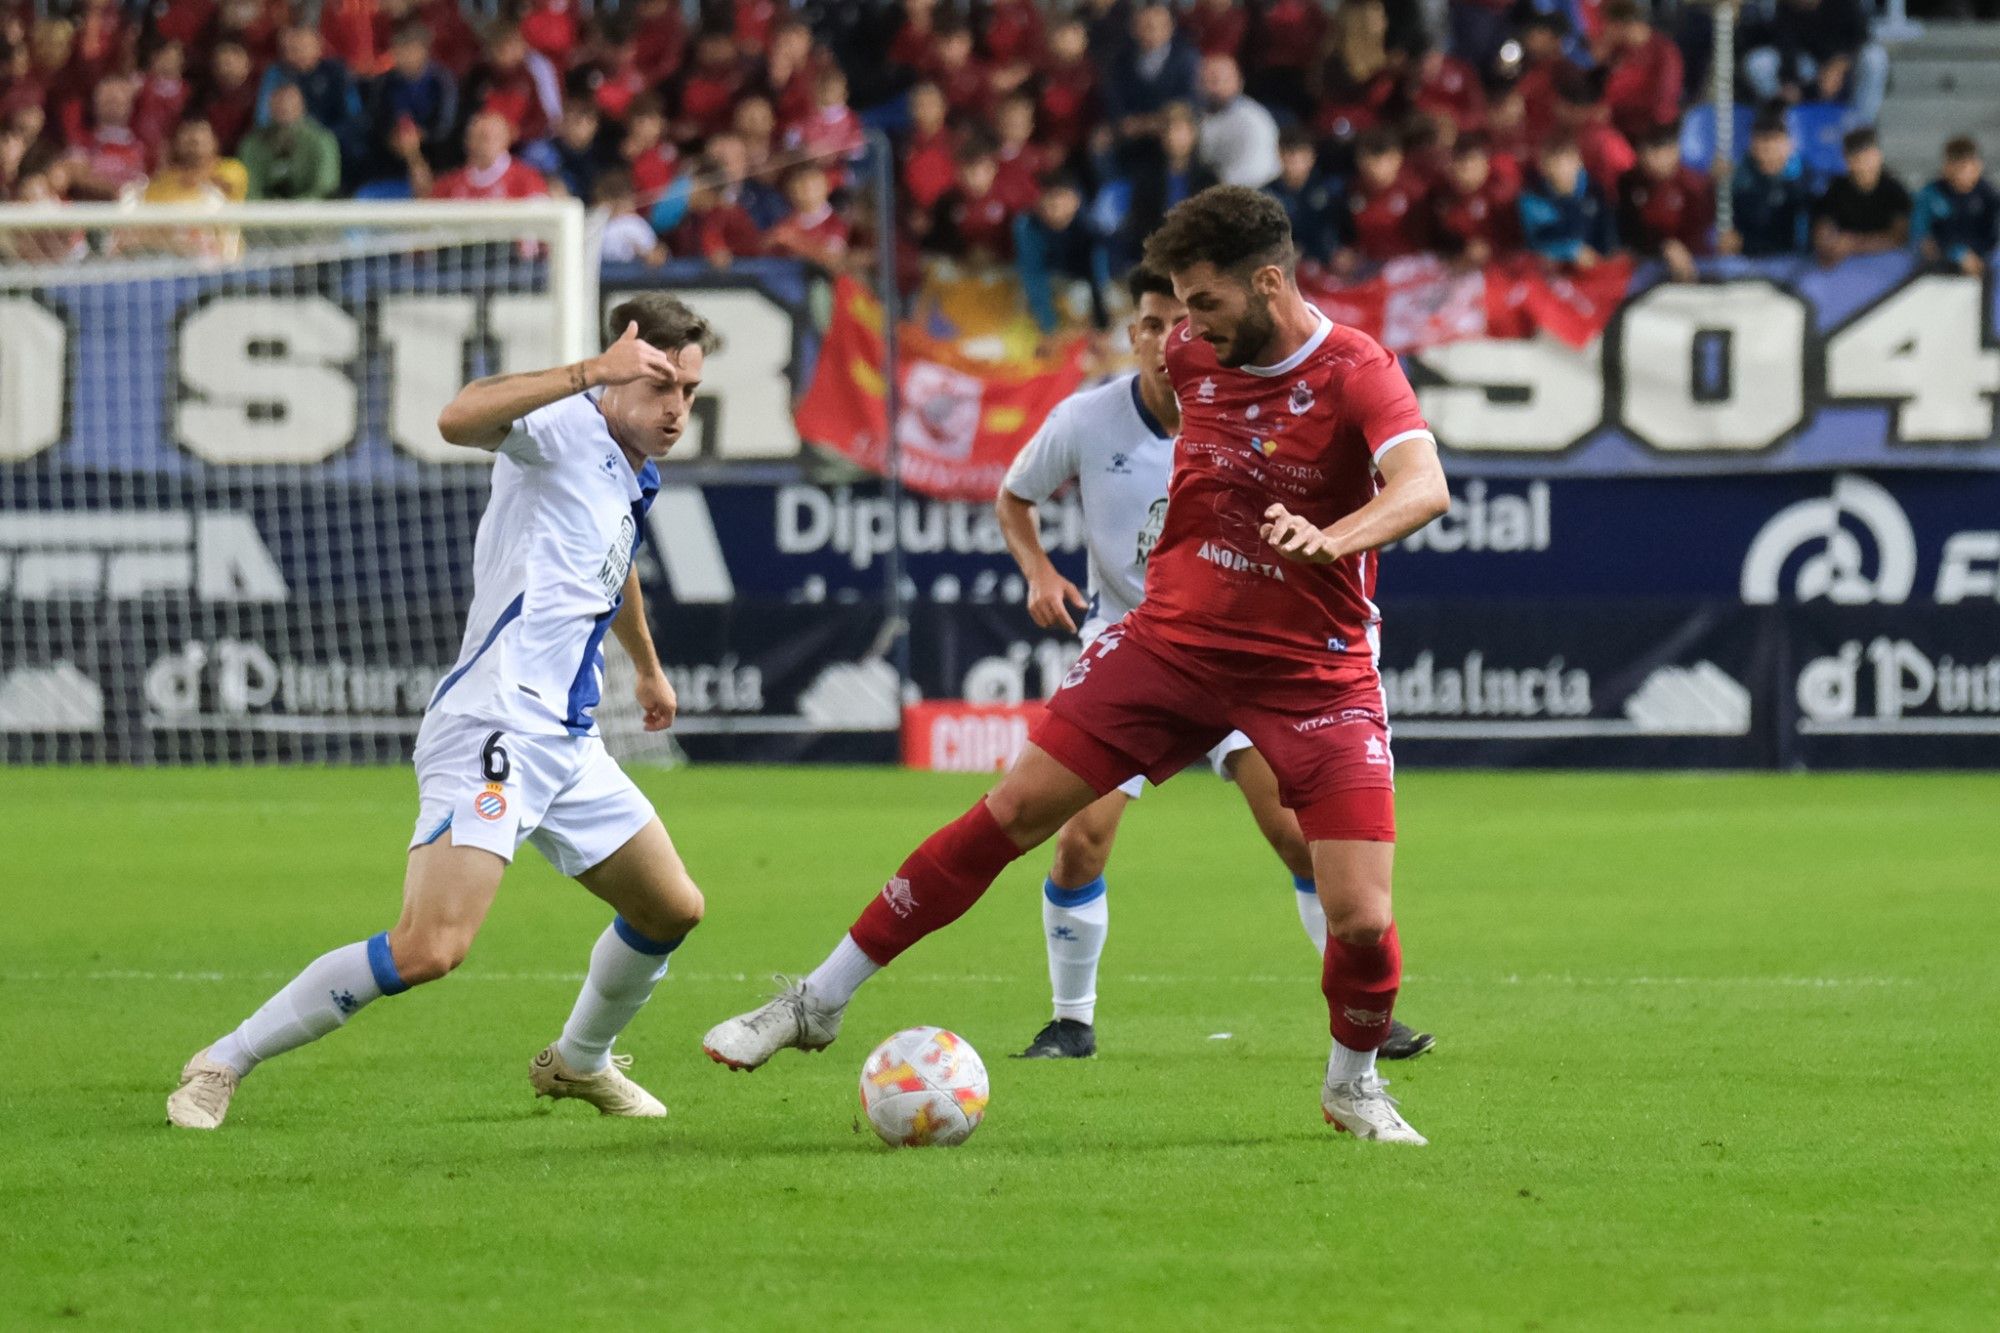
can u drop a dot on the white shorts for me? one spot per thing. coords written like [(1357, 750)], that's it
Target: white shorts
[(496, 790)]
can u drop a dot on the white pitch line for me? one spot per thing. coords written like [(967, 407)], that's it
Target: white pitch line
[(1302, 978)]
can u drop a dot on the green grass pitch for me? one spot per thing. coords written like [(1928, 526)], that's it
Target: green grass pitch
[(1715, 1053)]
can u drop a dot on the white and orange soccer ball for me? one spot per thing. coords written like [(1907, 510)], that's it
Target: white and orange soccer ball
[(924, 1088)]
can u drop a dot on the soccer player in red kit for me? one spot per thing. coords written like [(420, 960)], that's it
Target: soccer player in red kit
[(1302, 451)]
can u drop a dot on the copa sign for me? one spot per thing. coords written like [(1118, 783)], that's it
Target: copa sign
[(235, 378)]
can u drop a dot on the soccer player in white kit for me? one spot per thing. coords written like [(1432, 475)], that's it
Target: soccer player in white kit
[(509, 750), (1116, 442)]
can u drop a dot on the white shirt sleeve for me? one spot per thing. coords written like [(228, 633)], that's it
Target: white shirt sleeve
[(1048, 461), (537, 438)]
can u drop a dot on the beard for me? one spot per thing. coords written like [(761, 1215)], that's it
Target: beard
[(1253, 335)]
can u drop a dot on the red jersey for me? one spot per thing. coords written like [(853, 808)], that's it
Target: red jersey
[(1643, 86), (1012, 33), (1305, 433), (1679, 208), (1387, 224), (1492, 214), (929, 167), (1017, 174), (1216, 30), (1453, 91), (505, 179), (820, 237), (1067, 107)]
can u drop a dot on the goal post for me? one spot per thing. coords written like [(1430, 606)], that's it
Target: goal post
[(229, 530)]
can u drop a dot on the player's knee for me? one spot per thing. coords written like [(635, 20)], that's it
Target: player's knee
[(1362, 924), (674, 915), (1081, 855), (1292, 850), (428, 955)]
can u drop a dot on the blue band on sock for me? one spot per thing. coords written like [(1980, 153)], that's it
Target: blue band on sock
[(1089, 893), (1304, 884), (383, 964), (639, 943)]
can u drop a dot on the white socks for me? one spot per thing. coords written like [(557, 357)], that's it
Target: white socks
[(1346, 1064), (331, 990), (624, 968), (1075, 922), (1311, 915), (834, 982)]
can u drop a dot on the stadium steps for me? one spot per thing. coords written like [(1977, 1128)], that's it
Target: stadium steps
[(1944, 82)]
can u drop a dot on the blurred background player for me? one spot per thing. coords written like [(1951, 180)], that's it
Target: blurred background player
[(1258, 617), (509, 750), (1116, 442)]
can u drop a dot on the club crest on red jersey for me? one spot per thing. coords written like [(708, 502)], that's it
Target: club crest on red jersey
[(1302, 398)]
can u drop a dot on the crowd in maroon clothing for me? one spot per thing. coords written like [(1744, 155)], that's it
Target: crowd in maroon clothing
[(734, 128)]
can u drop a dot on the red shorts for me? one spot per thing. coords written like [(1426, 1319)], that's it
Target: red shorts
[(1134, 703)]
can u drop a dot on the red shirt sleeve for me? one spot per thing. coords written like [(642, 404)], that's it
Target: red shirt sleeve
[(1382, 404)]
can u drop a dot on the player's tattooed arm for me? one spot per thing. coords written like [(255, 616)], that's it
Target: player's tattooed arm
[(653, 690), (1413, 493), (485, 410)]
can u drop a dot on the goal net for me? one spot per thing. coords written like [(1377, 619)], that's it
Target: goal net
[(229, 530)]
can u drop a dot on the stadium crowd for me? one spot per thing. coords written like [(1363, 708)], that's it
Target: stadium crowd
[(1045, 137)]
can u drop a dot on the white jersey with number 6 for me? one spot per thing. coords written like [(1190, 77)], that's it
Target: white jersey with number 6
[(561, 528)]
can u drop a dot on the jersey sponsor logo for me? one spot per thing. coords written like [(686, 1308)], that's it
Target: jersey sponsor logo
[(1264, 446), (1302, 399), (897, 893), (617, 560), (1149, 531), (1345, 717), (489, 805), (1252, 412), (1217, 554), (1375, 751)]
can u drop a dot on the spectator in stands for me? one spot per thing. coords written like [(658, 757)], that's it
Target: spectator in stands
[(1067, 105), (912, 46), (1956, 223), (163, 98), (1155, 71), (1357, 83), (708, 87), (102, 42), (1443, 85), (1771, 205), (550, 28), (1052, 243), (1109, 24), (832, 135), (195, 172), (1310, 199), (1563, 217), (1282, 48), (1545, 69), (659, 39), (1818, 50), (1479, 29), (957, 70), (258, 25), (812, 231), (1585, 117), (415, 90), (627, 237), (1216, 27), (578, 153), (331, 97), (229, 101), (1239, 138), (1387, 216), (715, 227), (645, 151), (107, 159), (1642, 71), (1161, 173), (46, 82), (1011, 38), (1666, 209), (754, 122), (1866, 211), (1475, 214), (515, 82), (1019, 162), (726, 161), (453, 41), (928, 148), (352, 33), (291, 156), (790, 66), (972, 223), (490, 170)]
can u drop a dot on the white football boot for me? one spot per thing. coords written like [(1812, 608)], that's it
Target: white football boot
[(792, 1018), (609, 1090), (202, 1099), (1362, 1107)]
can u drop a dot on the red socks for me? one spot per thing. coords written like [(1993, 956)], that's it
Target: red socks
[(936, 885), (1360, 984)]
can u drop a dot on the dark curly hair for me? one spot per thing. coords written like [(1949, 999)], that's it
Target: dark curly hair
[(1233, 227), (1142, 280)]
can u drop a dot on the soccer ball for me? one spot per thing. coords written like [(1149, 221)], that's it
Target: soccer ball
[(924, 1088)]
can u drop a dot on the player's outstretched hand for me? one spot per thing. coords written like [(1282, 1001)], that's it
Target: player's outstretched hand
[(656, 700), (1295, 538), (630, 359), (1047, 594)]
